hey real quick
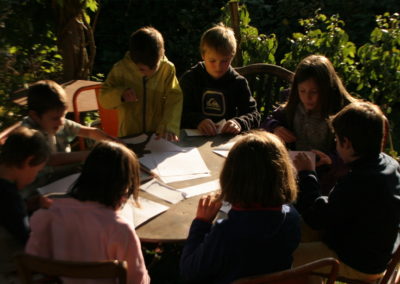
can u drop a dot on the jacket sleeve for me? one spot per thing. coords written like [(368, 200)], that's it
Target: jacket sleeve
[(249, 117), (201, 253), (277, 118), (173, 105), (112, 89), (191, 113)]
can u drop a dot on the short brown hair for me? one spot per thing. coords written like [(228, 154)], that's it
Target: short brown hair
[(363, 124), (110, 172), (146, 46), (23, 143), (220, 38), (258, 170), (46, 95)]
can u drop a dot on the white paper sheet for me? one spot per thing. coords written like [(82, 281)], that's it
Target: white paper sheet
[(195, 132), (310, 154), (223, 150), (226, 207), (162, 191), (137, 216), (59, 186), (135, 140), (200, 188)]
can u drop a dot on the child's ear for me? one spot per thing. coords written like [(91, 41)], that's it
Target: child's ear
[(347, 143), (34, 115)]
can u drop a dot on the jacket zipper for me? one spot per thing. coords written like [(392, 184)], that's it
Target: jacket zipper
[(144, 104)]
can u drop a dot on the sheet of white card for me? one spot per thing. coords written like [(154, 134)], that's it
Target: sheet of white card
[(195, 132), (135, 140), (59, 186), (200, 189), (137, 216), (162, 191), (310, 154), (223, 150)]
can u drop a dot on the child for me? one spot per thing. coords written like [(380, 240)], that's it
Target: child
[(361, 216), (23, 155), (47, 107), (262, 229), (316, 93), (86, 227), (213, 90), (144, 89)]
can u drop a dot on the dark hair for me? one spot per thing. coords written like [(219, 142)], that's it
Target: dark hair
[(333, 96), (23, 143), (363, 124), (46, 95), (146, 46), (220, 38), (110, 172), (258, 170)]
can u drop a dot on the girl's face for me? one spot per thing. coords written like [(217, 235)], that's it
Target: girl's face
[(309, 94)]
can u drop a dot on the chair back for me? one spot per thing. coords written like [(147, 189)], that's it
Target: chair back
[(29, 265), (392, 274), (297, 275), (266, 81), (6, 132)]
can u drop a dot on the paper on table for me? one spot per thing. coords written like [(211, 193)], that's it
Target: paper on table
[(135, 140), (310, 154), (162, 191), (162, 145), (137, 216), (59, 186), (226, 207), (195, 132), (223, 150), (200, 188)]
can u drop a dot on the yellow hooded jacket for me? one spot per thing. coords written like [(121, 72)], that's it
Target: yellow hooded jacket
[(159, 105)]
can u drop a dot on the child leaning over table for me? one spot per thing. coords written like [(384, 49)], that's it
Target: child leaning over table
[(47, 108), (213, 90), (143, 88), (262, 229), (85, 226), (23, 155), (360, 218)]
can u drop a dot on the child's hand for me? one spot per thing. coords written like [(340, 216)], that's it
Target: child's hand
[(208, 207), (168, 136), (207, 127), (324, 159), (231, 127), (286, 135), (303, 163), (129, 95)]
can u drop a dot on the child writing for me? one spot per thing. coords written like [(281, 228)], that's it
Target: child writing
[(144, 89), (86, 226), (213, 90), (23, 155), (262, 229), (316, 93), (361, 216)]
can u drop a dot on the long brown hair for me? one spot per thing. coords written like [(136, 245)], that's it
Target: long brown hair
[(333, 96), (258, 170), (110, 173)]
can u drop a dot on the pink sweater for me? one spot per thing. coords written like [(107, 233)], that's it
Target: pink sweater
[(86, 231)]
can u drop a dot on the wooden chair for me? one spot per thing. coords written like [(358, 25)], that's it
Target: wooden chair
[(297, 275), (28, 266), (4, 134), (267, 81)]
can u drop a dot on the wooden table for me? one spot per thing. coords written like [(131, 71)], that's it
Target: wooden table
[(173, 225)]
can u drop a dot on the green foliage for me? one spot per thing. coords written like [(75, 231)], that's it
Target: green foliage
[(380, 63), (324, 35), (255, 47)]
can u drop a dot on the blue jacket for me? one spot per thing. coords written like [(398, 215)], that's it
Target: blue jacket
[(248, 242), (361, 216)]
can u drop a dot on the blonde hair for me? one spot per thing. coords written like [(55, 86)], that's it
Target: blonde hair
[(220, 38), (258, 170)]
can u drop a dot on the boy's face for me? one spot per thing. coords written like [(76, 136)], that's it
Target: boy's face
[(216, 64), (146, 70), (28, 173), (50, 121)]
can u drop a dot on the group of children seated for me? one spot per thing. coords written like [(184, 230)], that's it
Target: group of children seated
[(282, 215)]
